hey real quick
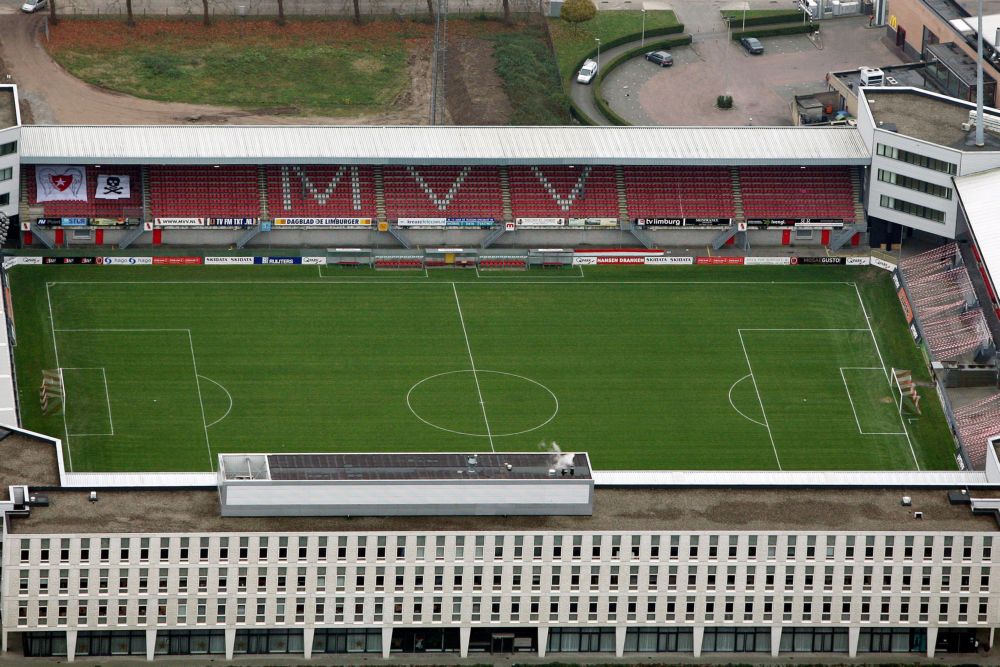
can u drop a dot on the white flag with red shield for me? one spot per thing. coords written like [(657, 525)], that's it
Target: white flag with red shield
[(61, 183)]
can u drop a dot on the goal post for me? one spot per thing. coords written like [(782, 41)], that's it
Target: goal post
[(52, 393), (906, 395)]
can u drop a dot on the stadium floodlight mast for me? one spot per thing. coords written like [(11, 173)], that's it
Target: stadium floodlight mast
[(642, 42), (598, 40)]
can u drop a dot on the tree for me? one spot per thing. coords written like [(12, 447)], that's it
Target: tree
[(578, 11), (506, 11), (357, 11), (281, 12), (204, 5), (128, 9), (53, 19), (430, 8)]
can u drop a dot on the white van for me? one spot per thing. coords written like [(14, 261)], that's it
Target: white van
[(586, 73), (32, 6)]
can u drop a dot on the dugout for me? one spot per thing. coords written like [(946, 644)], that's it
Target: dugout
[(349, 256), (552, 257), (459, 258)]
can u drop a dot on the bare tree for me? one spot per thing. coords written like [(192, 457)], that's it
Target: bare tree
[(204, 5), (128, 8), (430, 8), (506, 12), (53, 18), (281, 12), (357, 11)]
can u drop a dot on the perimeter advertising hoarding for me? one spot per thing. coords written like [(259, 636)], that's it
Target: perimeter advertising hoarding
[(348, 223)]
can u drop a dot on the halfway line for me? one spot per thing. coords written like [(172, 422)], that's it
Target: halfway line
[(475, 374)]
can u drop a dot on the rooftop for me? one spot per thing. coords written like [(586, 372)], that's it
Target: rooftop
[(406, 466), (932, 118), (178, 510), (571, 145)]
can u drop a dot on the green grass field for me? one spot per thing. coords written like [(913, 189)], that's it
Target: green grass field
[(644, 368)]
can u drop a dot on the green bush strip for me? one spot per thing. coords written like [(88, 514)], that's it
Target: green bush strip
[(530, 78), (599, 99), (788, 29), (761, 16)]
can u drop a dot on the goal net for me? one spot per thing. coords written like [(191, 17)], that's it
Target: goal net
[(906, 395), (52, 392)]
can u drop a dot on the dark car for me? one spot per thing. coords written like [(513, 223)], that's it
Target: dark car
[(752, 45), (661, 58)]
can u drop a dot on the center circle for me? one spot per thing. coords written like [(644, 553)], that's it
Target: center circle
[(520, 404)]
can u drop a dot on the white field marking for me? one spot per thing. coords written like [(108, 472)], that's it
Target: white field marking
[(472, 361), (197, 381), (483, 435), (773, 329), (850, 399), (558, 280), (194, 363), (107, 397), (228, 395), (736, 408), (55, 348), (763, 412), (885, 369)]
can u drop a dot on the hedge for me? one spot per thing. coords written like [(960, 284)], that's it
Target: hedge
[(792, 29), (625, 39), (762, 16), (599, 100)]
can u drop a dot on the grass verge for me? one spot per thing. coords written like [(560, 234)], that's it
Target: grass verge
[(575, 41)]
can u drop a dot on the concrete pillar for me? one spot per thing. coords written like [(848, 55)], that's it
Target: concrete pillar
[(853, 635), (464, 633), (775, 640), (386, 640), (150, 643), (543, 640), (932, 633), (697, 636), (70, 645), (307, 642), (620, 632), (3, 641), (230, 642), (988, 648)]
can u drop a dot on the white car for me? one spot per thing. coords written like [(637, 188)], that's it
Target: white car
[(32, 6), (585, 75)]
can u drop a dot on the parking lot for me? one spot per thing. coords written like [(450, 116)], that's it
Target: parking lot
[(762, 86)]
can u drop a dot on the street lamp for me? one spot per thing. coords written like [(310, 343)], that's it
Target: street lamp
[(643, 41), (598, 40), (745, 4)]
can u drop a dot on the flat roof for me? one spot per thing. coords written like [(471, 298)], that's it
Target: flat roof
[(698, 509), (570, 145), (908, 74), (977, 194), (927, 116), (418, 466)]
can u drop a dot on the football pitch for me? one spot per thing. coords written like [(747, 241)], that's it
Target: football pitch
[(763, 368)]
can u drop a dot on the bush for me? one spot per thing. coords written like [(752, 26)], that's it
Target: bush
[(724, 101), (530, 78), (788, 29), (578, 11), (761, 16)]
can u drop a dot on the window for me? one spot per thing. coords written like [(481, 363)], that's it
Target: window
[(8, 148), (892, 640), (814, 640), (910, 208), (911, 183), (659, 640), (6, 174), (736, 640), (581, 640), (917, 159)]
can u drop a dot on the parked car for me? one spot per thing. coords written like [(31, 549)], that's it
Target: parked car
[(661, 58), (752, 45), (587, 72), (32, 6)]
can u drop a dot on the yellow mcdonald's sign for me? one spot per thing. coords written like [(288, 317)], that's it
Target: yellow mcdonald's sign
[(892, 21)]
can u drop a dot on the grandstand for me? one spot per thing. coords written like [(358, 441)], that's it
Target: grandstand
[(536, 180)]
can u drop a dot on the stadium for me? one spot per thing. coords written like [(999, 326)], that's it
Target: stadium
[(486, 391)]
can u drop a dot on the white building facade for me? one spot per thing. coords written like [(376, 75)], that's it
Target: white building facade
[(616, 593)]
